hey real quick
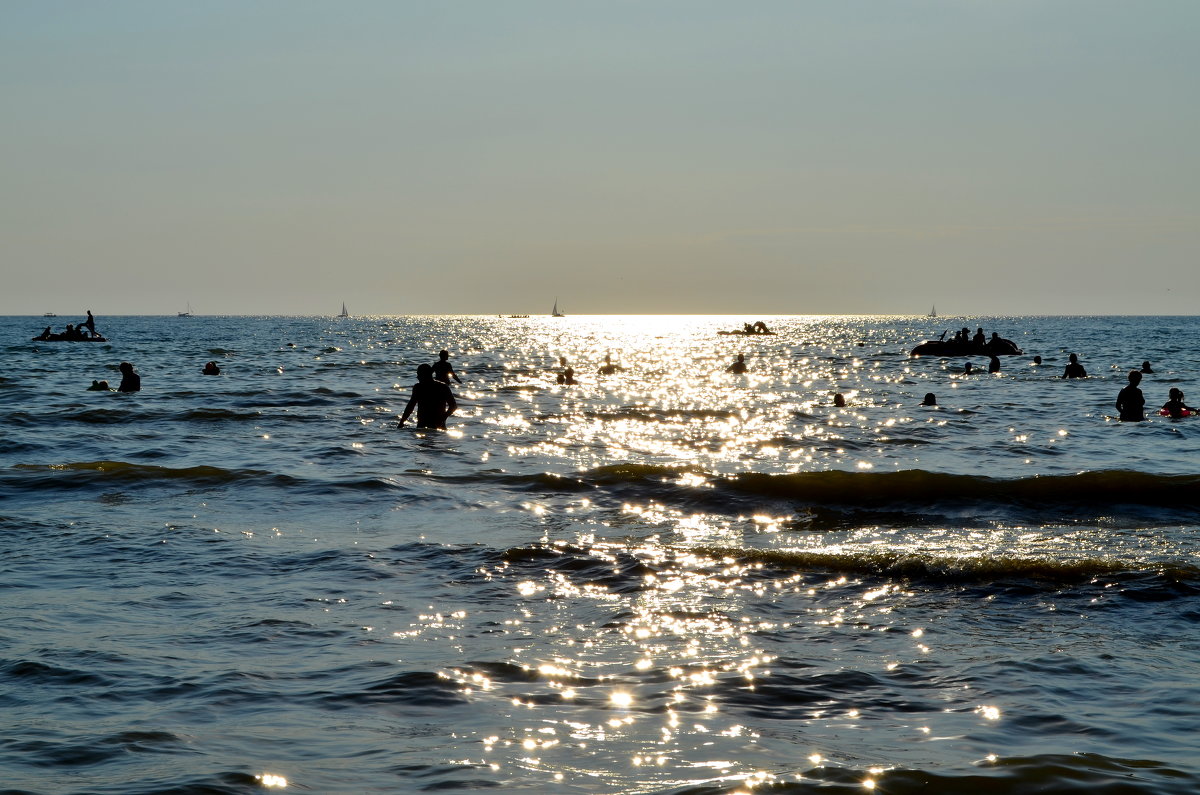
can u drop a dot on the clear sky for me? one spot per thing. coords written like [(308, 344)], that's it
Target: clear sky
[(488, 156)]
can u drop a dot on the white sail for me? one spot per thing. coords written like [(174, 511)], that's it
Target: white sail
[(554, 312), (344, 312)]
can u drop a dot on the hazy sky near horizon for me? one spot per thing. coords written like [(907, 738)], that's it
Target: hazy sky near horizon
[(682, 156)]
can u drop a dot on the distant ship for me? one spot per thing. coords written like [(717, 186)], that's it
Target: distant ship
[(933, 311), (49, 314), (188, 313), (554, 312), (344, 312)]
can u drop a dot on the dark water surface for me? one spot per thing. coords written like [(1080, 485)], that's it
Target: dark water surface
[(668, 580)]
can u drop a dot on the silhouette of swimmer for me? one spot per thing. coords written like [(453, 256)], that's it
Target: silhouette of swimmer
[(130, 381), (1037, 359), (1175, 406), (1146, 367), (739, 366), (98, 386), (968, 368), (211, 369), (442, 369), (432, 399), (567, 377), (608, 368), (930, 399), (839, 400), (994, 364), (1074, 369), (1131, 403)]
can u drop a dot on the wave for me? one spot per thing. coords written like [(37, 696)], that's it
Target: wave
[(838, 498)]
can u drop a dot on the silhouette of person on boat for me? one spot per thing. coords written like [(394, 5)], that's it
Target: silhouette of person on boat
[(963, 344)]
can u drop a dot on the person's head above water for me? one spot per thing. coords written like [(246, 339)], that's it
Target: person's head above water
[(443, 355), (1037, 359), (424, 372), (1073, 358), (930, 399), (839, 400), (1146, 367), (1176, 393), (1135, 377)]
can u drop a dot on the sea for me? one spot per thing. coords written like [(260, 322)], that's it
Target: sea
[(670, 580)]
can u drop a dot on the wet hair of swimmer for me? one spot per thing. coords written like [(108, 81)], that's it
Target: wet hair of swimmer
[(930, 399)]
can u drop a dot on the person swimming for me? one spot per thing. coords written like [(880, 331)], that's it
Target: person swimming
[(567, 377), (1175, 407), (994, 364), (432, 399), (1131, 403), (98, 386), (211, 369), (739, 366), (968, 368), (608, 368), (1146, 367), (930, 399), (839, 400), (1074, 369), (130, 381)]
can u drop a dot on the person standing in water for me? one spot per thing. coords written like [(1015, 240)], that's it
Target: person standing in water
[(432, 399), (738, 367), (1175, 407), (442, 369), (1074, 369), (1130, 402)]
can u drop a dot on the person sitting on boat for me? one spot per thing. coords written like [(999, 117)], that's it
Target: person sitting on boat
[(979, 339), (130, 381), (760, 328), (748, 328), (45, 335), (1175, 407), (738, 367), (211, 368), (1074, 369), (432, 399)]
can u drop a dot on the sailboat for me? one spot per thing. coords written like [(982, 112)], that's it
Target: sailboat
[(554, 312), (188, 313), (344, 312), (933, 311)]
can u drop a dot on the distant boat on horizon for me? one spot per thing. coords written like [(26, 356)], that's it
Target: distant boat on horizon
[(554, 312), (49, 314), (344, 312), (188, 313), (933, 311)]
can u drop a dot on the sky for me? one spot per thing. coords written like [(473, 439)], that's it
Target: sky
[(657, 156)]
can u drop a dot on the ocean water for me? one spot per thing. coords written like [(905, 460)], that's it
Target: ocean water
[(667, 580)]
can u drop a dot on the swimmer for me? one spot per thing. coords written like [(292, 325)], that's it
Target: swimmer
[(608, 368), (1074, 369), (130, 381), (211, 369), (1130, 402), (567, 377), (839, 400), (930, 399), (968, 368), (1175, 406), (1037, 361), (994, 364), (432, 399), (98, 386), (739, 366), (1146, 367)]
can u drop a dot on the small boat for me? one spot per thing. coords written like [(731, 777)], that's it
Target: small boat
[(933, 311), (49, 314), (749, 333), (188, 313), (998, 347), (344, 312), (554, 312), (63, 338)]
